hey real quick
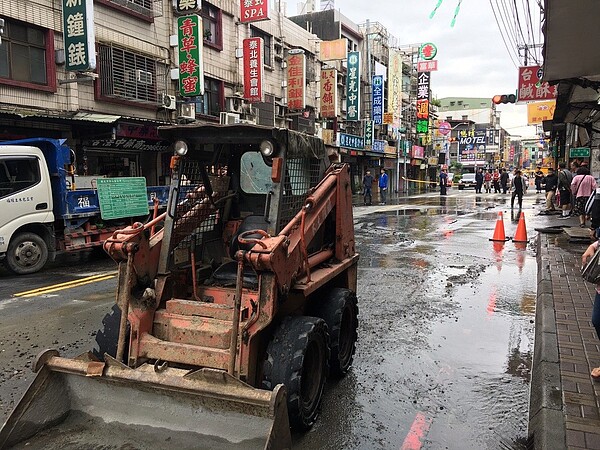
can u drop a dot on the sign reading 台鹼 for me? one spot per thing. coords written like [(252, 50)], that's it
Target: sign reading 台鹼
[(328, 93), (296, 80), (254, 10), (531, 87), (378, 99), (80, 38), (253, 69), (191, 73), (187, 6), (353, 87)]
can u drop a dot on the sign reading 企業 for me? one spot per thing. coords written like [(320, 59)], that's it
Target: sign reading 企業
[(80, 38), (122, 197)]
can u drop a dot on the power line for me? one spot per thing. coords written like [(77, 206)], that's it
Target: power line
[(502, 35)]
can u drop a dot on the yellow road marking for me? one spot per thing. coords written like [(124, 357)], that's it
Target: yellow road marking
[(66, 285)]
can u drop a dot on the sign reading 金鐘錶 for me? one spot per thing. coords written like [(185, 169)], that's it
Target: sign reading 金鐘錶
[(191, 74), (328, 93), (253, 69), (353, 87), (254, 10), (187, 6), (79, 35), (423, 81), (531, 87), (296, 80), (378, 99)]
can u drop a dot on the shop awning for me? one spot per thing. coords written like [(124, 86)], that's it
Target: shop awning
[(96, 117)]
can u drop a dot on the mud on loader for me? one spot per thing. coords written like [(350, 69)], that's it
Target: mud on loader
[(240, 300)]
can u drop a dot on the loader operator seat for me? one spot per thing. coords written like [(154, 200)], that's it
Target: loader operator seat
[(226, 274)]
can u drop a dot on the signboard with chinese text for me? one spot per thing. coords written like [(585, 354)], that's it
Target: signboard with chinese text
[(329, 100), (254, 10), (378, 146), (395, 86), (537, 112), (388, 118), (187, 6), (353, 87), (79, 35), (296, 81), (427, 51), (191, 73), (423, 81), (333, 50), (579, 152), (253, 69), (122, 197), (377, 113), (427, 66), (351, 141), (471, 146), (368, 133), (531, 88), (417, 152)]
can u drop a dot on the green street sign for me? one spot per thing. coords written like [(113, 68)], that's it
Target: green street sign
[(191, 73), (122, 197), (79, 35), (579, 152)]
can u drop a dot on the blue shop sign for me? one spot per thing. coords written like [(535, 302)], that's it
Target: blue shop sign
[(351, 141)]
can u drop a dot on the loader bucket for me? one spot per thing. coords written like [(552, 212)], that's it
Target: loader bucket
[(82, 404)]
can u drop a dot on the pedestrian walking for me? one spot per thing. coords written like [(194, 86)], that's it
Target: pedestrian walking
[(539, 180), (583, 185), (496, 181), (592, 248), (550, 188), (487, 181), (478, 181), (368, 187), (518, 187), (504, 181), (565, 177), (443, 182), (383, 186)]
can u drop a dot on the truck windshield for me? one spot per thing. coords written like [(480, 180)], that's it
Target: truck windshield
[(255, 174)]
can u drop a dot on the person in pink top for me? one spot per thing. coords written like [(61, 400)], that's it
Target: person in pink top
[(582, 186)]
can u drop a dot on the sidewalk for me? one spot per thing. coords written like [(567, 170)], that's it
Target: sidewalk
[(564, 403)]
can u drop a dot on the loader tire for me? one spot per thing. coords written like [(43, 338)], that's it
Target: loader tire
[(297, 357), (339, 310), (107, 337)]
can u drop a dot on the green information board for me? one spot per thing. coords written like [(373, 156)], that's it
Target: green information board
[(580, 152), (122, 197)]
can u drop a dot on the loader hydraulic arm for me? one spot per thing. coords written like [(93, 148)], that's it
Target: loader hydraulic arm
[(286, 254)]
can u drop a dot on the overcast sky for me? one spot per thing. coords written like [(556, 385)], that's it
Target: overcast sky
[(472, 58)]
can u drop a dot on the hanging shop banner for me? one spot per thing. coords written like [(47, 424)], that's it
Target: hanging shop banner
[(333, 50), (329, 99), (296, 80), (531, 87), (378, 146), (395, 86), (471, 146), (423, 81), (254, 10), (353, 87), (417, 152), (378, 99), (351, 141), (191, 74), (427, 66), (368, 133), (537, 112), (187, 6), (253, 69), (80, 38)]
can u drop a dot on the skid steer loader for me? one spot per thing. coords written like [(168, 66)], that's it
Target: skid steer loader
[(240, 301)]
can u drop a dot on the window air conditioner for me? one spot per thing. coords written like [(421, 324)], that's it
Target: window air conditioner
[(187, 111), (169, 102), (138, 76), (226, 118)]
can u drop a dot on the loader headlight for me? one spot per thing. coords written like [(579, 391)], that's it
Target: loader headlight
[(181, 148), (267, 148)]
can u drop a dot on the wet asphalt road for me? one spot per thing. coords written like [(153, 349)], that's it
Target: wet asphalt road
[(445, 338)]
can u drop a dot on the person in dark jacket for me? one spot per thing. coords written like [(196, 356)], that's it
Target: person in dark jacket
[(443, 182), (539, 180), (551, 185), (518, 189), (367, 187), (504, 181), (478, 181)]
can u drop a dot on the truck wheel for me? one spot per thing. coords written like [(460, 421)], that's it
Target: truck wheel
[(297, 357), (27, 253), (108, 336), (340, 312)]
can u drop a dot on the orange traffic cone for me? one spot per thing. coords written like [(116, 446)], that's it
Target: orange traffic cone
[(521, 233), (499, 235)]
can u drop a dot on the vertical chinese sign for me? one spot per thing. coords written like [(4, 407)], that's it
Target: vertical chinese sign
[(254, 10), (423, 102), (191, 74), (296, 80), (395, 86), (329, 93), (531, 88), (353, 87), (253, 69), (187, 6), (79, 35), (368, 133), (378, 99)]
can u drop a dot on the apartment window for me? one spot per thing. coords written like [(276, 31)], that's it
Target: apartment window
[(143, 9), (255, 32), (211, 21), (210, 103), (27, 56), (126, 75)]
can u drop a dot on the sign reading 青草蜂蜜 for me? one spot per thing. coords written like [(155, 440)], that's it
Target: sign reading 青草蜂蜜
[(122, 197), (191, 73), (79, 35)]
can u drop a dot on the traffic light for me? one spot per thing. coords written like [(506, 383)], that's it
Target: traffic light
[(510, 98)]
